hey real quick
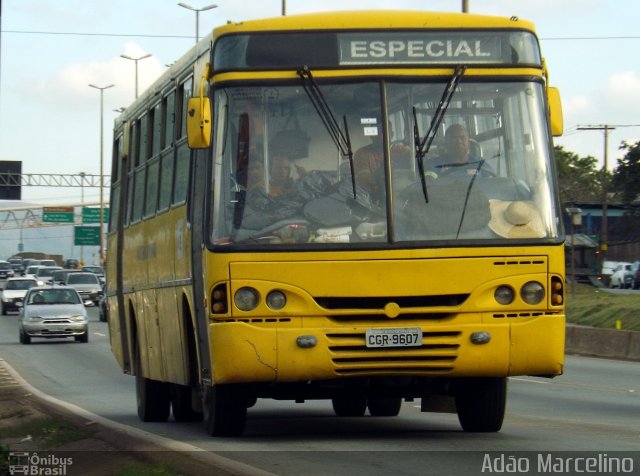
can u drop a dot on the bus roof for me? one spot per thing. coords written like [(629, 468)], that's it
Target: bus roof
[(376, 19)]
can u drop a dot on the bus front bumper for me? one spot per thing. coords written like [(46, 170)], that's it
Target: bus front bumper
[(243, 353)]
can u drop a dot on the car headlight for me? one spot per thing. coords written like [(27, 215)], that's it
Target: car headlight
[(79, 317)]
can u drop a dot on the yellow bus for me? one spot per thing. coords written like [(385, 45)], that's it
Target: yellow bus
[(357, 206)]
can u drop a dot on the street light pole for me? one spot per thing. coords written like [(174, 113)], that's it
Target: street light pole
[(82, 175), (136, 61), (197, 10), (101, 89)]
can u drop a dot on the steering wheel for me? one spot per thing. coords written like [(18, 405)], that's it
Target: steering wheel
[(462, 170)]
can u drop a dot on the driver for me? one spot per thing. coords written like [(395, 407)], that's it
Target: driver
[(458, 159)]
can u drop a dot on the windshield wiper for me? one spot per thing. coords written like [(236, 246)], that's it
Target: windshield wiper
[(422, 146), (341, 139)]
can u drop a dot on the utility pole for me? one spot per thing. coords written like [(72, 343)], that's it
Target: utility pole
[(604, 184)]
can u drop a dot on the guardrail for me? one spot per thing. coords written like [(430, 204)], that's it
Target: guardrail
[(606, 343)]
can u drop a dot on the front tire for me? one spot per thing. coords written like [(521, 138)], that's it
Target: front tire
[(225, 410), (481, 403), (24, 338)]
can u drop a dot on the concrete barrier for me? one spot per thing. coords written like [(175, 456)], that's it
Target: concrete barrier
[(606, 343)]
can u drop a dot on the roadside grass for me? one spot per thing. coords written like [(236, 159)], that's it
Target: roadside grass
[(591, 306), (50, 432)]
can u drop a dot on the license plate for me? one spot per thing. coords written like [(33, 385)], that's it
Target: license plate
[(394, 337)]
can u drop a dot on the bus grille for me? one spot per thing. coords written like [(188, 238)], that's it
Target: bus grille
[(445, 300), (436, 355)]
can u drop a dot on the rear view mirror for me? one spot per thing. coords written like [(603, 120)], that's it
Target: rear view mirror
[(199, 123), (555, 112)]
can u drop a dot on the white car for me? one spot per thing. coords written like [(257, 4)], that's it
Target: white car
[(622, 276), (51, 312), (14, 292)]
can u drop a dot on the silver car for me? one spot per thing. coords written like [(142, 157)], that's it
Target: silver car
[(14, 292), (87, 285), (53, 311)]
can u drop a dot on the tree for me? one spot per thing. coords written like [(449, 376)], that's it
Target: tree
[(626, 177), (579, 179)]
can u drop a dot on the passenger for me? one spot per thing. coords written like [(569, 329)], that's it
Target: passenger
[(280, 181), (368, 164)]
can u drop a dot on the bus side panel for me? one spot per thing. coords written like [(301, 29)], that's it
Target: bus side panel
[(182, 244), (174, 356), (115, 331)]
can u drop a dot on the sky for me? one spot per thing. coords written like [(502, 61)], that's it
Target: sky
[(51, 50)]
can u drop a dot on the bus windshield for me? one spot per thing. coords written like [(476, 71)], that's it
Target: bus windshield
[(355, 165)]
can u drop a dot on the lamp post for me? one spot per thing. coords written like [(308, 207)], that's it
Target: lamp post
[(101, 89), (136, 61), (197, 10), (82, 176)]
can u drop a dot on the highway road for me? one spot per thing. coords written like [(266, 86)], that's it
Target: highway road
[(594, 408)]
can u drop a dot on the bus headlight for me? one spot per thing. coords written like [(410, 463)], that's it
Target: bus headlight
[(246, 299), (504, 295), (276, 300), (532, 292)]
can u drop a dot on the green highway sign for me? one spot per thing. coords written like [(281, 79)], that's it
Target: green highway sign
[(92, 215), (86, 235), (57, 214)]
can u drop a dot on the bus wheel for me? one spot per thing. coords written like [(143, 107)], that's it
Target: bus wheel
[(181, 404), (381, 407), (481, 403), (224, 411), (349, 407), (152, 397)]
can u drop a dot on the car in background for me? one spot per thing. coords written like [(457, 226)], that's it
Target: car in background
[(607, 271), (102, 309), (14, 291), (71, 263), (44, 274), (97, 270), (53, 311), (60, 276), (48, 262), (30, 271), (87, 285), (6, 270), (16, 264), (635, 274), (621, 277)]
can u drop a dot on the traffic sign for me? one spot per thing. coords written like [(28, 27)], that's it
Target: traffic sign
[(92, 215), (86, 235), (57, 214)]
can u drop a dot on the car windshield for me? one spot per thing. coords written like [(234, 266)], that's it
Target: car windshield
[(5, 266), (93, 269), (46, 272), (54, 296), (303, 166), (20, 284), (78, 278)]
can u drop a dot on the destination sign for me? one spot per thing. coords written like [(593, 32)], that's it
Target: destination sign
[(324, 49), (398, 47)]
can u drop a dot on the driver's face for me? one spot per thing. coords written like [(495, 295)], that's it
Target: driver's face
[(457, 142)]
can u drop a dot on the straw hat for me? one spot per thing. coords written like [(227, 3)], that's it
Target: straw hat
[(515, 219)]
